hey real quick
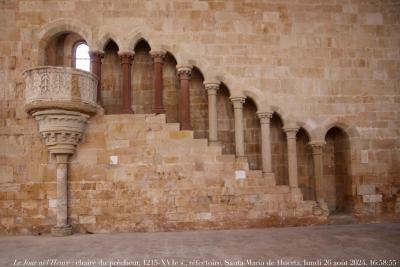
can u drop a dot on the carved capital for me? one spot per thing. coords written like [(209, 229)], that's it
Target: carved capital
[(211, 87), (238, 101), (317, 146), (126, 57), (158, 56), (96, 55), (265, 116), (184, 72), (291, 131)]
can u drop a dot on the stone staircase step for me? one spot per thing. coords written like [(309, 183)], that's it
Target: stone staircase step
[(179, 135), (172, 126), (159, 118)]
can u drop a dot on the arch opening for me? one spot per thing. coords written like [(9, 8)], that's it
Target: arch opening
[(337, 185), (305, 165), (142, 79), (81, 58), (111, 79), (252, 134), (60, 49), (226, 123), (198, 104), (279, 151), (171, 85)]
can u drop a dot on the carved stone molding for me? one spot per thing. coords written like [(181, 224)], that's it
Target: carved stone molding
[(184, 72), (265, 117), (158, 56), (237, 102), (211, 87), (60, 87), (61, 130)]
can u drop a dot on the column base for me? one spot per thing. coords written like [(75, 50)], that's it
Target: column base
[(61, 230), (321, 208), (317, 211)]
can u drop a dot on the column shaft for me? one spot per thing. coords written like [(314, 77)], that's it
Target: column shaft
[(95, 68), (212, 89), (239, 130), (292, 156), (62, 190), (126, 62), (265, 118), (184, 73), (318, 168), (158, 58)]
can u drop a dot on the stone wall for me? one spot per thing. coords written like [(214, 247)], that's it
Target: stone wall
[(320, 64), (137, 173)]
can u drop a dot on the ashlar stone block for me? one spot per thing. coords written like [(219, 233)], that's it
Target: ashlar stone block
[(372, 198), (365, 189), (87, 219), (6, 174)]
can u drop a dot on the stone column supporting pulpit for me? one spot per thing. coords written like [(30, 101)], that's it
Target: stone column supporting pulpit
[(61, 99)]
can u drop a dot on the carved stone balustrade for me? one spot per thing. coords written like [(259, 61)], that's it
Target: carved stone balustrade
[(62, 100)]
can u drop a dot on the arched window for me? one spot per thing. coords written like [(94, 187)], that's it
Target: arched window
[(81, 58)]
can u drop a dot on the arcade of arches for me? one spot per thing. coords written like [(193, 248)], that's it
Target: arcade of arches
[(143, 99), (150, 71), (279, 155)]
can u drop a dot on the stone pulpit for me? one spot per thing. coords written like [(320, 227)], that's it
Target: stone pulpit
[(61, 99)]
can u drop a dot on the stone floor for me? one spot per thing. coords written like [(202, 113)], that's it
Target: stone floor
[(293, 246)]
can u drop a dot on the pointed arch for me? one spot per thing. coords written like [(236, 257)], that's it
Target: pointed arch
[(134, 37), (105, 39)]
